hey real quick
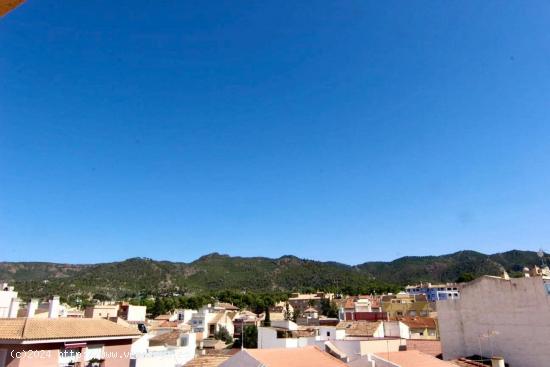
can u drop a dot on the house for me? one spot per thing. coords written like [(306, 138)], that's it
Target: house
[(420, 327), (226, 306), (403, 304), (499, 316), (104, 311), (311, 313), (61, 342), (434, 292), (366, 308), (287, 334), (209, 320), (301, 302), (9, 303), (132, 313), (281, 311), (362, 329), (299, 357), (171, 348), (242, 320), (185, 315)]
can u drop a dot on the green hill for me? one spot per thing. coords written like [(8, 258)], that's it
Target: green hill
[(216, 272)]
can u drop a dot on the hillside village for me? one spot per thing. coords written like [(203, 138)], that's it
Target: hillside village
[(448, 324)]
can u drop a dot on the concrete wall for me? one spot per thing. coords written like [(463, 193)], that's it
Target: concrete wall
[(509, 318)]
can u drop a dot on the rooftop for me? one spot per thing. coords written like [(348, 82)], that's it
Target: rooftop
[(416, 322), (359, 328), (22, 329), (414, 358), (296, 357)]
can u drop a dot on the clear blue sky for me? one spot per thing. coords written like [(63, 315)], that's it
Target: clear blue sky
[(342, 130)]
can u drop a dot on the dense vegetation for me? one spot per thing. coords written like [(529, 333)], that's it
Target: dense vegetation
[(138, 278)]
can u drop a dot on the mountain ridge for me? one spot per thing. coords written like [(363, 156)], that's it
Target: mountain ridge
[(216, 272)]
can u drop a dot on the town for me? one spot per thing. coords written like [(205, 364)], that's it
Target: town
[(349, 183), (475, 323)]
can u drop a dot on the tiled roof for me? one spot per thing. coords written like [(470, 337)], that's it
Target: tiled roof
[(416, 322), (295, 357), (359, 328), (170, 338), (163, 317), (227, 306), (168, 324), (413, 358), (63, 328), (349, 304)]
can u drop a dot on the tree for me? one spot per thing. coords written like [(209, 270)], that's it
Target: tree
[(267, 320), (287, 314), (296, 314), (328, 308), (223, 334), (465, 277), (250, 337)]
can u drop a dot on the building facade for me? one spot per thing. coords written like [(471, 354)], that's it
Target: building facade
[(499, 317), (435, 292)]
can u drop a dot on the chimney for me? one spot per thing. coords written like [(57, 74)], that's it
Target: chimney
[(14, 308), (31, 307), (497, 362), (54, 308)]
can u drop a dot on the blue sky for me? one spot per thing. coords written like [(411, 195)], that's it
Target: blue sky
[(333, 130)]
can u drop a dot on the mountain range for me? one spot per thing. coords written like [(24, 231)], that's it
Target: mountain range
[(216, 272)]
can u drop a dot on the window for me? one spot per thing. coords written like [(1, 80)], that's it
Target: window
[(184, 341), (94, 351), (328, 333)]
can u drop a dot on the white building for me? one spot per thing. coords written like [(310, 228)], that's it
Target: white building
[(185, 315), (209, 320), (9, 303), (435, 292), (164, 349), (499, 317)]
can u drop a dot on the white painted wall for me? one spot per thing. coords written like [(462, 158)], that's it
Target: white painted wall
[(6, 300), (136, 313), (396, 329), (515, 311)]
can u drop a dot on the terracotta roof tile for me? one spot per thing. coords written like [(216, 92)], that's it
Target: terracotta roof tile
[(359, 328), (417, 322), (63, 328)]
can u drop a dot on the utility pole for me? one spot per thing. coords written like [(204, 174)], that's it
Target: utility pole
[(242, 335)]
